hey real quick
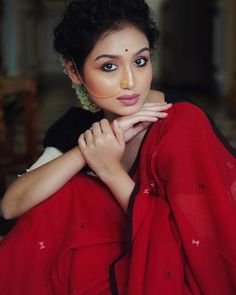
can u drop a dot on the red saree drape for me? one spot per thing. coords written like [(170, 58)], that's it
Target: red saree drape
[(179, 236)]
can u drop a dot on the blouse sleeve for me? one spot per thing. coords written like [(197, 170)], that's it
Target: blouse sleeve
[(49, 154)]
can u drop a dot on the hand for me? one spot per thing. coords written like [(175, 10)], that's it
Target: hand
[(102, 147), (135, 123)]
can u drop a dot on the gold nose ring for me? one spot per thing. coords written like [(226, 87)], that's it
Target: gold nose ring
[(124, 83)]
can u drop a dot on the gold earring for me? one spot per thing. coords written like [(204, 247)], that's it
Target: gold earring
[(123, 83)]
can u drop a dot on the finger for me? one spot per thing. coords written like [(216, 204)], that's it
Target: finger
[(140, 119), (161, 115), (88, 137), (151, 104), (159, 107), (118, 132), (82, 142), (154, 102), (140, 127), (105, 126), (132, 132), (130, 122), (151, 113), (96, 129)]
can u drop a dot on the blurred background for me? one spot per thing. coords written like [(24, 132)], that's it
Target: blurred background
[(196, 56)]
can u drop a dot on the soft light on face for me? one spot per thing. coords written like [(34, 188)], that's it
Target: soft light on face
[(118, 56)]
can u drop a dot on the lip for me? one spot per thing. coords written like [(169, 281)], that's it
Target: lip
[(129, 99)]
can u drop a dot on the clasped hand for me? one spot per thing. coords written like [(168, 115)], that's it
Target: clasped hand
[(103, 144), (102, 147), (137, 122)]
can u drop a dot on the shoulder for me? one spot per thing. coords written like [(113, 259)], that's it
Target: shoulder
[(77, 117), (185, 122), (74, 115), (189, 110), (187, 114), (184, 108)]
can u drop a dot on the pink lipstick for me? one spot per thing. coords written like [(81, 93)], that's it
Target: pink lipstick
[(129, 100)]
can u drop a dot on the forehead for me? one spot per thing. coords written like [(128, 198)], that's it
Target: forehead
[(117, 41)]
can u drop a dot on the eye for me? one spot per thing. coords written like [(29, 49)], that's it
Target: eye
[(141, 61), (109, 67)]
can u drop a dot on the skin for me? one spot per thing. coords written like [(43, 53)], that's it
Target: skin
[(104, 144), (116, 138)]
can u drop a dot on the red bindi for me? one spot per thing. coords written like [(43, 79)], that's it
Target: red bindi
[(126, 50)]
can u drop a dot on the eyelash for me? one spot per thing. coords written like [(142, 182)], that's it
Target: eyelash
[(145, 60), (107, 70), (142, 58)]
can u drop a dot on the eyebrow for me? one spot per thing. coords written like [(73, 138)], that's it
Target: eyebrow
[(118, 56)]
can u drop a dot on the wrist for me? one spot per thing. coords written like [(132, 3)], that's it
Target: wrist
[(121, 192), (78, 156), (113, 180), (112, 173)]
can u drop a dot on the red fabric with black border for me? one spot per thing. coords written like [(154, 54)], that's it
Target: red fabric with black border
[(178, 237)]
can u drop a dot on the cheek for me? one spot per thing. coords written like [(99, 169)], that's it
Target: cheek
[(146, 79), (101, 85), (150, 73)]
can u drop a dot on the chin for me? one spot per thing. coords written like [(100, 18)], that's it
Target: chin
[(128, 110), (119, 110)]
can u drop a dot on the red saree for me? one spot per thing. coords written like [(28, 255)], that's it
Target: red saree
[(179, 236)]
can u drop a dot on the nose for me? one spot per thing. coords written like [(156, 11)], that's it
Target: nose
[(128, 82)]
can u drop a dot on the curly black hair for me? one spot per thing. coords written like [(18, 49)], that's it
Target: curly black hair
[(85, 21)]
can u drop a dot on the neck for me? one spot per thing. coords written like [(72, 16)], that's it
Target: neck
[(109, 116)]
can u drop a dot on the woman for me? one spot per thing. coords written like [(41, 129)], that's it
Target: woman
[(158, 212), (76, 46)]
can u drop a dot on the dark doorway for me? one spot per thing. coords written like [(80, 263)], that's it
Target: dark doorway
[(186, 55)]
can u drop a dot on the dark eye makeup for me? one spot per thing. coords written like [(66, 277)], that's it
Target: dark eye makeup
[(110, 67)]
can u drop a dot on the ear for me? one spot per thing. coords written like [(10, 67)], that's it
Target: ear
[(72, 73)]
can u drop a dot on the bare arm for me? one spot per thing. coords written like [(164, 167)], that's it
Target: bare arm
[(121, 185), (103, 146), (37, 185)]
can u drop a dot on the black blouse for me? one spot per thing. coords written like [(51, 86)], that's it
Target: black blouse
[(64, 133)]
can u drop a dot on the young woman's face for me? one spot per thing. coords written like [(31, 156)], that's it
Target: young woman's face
[(119, 55)]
